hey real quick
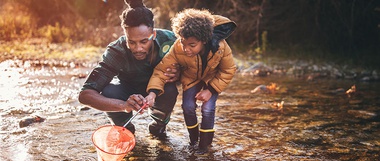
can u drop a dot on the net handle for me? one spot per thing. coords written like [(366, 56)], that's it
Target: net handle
[(144, 106)]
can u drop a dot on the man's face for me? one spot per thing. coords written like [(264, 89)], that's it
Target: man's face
[(139, 40)]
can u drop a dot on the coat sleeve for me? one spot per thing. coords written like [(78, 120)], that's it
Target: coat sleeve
[(104, 72), (158, 79), (226, 71)]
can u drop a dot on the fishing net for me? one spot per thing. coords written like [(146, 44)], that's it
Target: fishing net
[(113, 142)]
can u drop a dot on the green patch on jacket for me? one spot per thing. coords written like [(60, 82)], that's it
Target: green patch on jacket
[(165, 48)]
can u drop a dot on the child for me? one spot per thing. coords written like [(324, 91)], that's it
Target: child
[(207, 67)]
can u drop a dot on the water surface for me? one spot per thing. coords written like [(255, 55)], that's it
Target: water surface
[(299, 120)]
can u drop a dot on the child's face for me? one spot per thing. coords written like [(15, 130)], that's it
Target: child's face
[(192, 46)]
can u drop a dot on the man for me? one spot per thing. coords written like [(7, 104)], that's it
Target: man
[(132, 59)]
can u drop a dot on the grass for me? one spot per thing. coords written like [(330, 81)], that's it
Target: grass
[(40, 50), (83, 54)]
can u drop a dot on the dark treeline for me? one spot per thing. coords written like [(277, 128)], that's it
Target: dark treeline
[(345, 28)]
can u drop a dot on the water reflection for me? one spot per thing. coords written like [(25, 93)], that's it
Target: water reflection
[(317, 121)]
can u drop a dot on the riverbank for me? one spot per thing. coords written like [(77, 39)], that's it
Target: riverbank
[(37, 52)]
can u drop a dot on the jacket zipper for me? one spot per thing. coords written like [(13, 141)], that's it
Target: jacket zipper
[(197, 71), (213, 54)]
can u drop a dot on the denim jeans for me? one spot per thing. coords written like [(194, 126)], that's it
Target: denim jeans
[(122, 91), (189, 106)]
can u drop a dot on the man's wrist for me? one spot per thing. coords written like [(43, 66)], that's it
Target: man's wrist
[(125, 108)]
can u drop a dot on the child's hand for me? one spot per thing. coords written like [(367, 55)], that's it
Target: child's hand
[(151, 98), (203, 95)]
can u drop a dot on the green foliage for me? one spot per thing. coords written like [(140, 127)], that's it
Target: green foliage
[(264, 41), (60, 21), (41, 50), (347, 29), (56, 33), (15, 22), (258, 50)]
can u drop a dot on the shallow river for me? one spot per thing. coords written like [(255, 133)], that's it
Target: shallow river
[(298, 120)]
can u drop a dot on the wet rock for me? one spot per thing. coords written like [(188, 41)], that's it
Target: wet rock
[(85, 108), (355, 101), (266, 89), (367, 76), (309, 140), (314, 76), (17, 111), (30, 120), (335, 73), (258, 69), (275, 106), (260, 89), (375, 75), (337, 91), (362, 114), (350, 75), (19, 131), (365, 79)]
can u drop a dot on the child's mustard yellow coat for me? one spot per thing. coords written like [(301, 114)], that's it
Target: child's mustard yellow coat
[(218, 73)]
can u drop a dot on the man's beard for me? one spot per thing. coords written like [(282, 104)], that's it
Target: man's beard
[(140, 55)]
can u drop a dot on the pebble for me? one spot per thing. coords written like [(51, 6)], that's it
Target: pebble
[(30, 120)]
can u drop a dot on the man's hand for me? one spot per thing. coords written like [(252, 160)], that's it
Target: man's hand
[(203, 95), (134, 102), (173, 73)]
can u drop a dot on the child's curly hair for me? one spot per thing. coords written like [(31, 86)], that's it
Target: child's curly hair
[(193, 23)]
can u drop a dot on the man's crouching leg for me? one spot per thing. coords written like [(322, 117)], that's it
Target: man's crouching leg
[(158, 126), (162, 110), (119, 91), (120, 118)]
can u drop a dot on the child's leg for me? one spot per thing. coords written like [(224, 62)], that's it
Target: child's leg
[(207, 125), (208, 113), (189, 111)]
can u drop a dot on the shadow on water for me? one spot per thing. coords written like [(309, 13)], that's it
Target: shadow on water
[(298, 120)]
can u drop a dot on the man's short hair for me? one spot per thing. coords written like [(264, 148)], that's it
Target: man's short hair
[(136, 15)]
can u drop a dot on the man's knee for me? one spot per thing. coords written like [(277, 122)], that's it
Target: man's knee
[(119, 118), (113, 91), (171, 90), (165, 103)]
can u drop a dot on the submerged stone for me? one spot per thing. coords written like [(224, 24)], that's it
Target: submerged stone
[(29, 120)]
